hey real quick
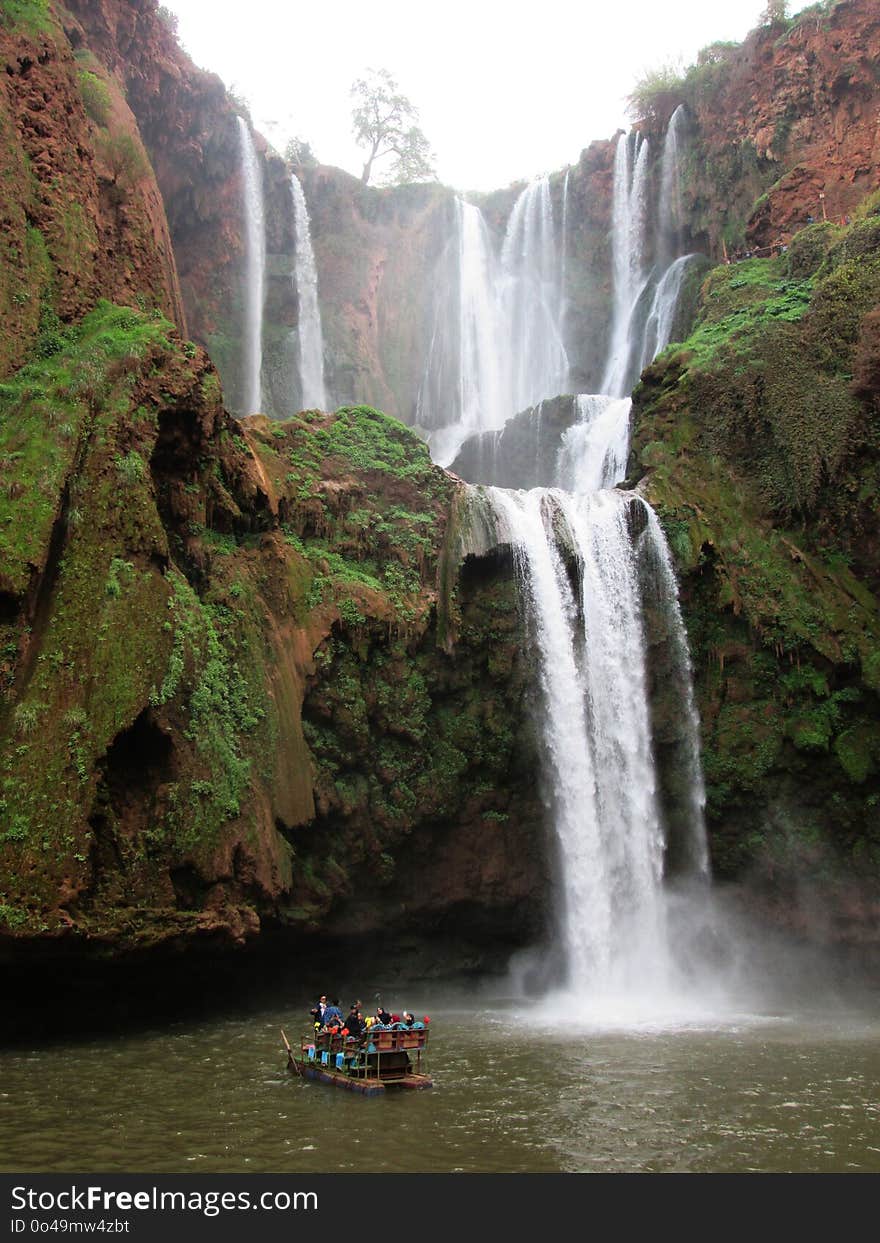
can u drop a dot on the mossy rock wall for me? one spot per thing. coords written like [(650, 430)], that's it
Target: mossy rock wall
[(230, 694), (759, 442)]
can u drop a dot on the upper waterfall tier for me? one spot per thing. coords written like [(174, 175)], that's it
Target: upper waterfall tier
[(496, 345)]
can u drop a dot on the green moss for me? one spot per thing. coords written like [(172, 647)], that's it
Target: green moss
[(808, 248), (218, 711), (46, 412), (30, 17), (858, 750)]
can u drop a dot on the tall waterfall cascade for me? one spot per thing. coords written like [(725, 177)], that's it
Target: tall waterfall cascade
[(599, 592), (311, 340), (646, 294), (254, 272), (590, 636), (531, 297), (670, 213), (496, 345), (629, 224)]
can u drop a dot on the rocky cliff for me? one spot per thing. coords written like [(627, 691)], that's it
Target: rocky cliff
[(81, 215), (783, 126), (233, 687), (247, 680)]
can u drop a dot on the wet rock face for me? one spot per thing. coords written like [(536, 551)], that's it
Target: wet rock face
[(522, 454)]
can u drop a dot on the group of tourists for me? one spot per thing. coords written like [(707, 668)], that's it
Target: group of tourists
[(328, 1017)]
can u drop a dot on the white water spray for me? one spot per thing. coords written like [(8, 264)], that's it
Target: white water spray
[(594, 450), (311, 340)]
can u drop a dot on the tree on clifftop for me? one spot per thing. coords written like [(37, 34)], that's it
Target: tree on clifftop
[(385, 122), (775, 13)]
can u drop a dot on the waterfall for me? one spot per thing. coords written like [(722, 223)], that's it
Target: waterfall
[(311, 341), (496, 345), (593, 452), (593, 562), (596, 730), (530, 300), (463, 371), (563, 251), (628, 246), (255, 271), (661, 317), (661, 575), (670, 215)]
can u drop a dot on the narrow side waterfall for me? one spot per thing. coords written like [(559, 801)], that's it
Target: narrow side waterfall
[(563, 253), (628, 247), (670, 215), (255, 272), (311, 340), (660, 578), (664, 305)]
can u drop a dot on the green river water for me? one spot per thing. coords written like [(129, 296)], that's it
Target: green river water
[(514, 1091)]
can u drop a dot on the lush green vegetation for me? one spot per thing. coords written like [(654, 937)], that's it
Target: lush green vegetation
[(48, 411), (30, 17), (96, 96)]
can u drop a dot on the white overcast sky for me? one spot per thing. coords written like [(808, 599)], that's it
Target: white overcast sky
[(504, 90)]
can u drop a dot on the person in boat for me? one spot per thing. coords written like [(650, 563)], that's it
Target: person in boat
[(407, 1019), (318, 1011), (382, 1015), (333, 1015), (354, 1022)]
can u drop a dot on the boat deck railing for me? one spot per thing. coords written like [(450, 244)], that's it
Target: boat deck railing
[(387, 1054), (371, 1041)]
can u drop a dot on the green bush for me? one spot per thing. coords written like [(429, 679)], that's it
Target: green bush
[(95, 96)]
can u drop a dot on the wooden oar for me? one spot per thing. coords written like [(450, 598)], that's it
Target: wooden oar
[(290, 1056)]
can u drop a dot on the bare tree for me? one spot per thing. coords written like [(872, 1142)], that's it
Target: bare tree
[(386, 123)]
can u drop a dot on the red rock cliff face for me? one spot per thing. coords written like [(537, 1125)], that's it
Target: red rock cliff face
[(788, 126), (187, 122), (81, 216)]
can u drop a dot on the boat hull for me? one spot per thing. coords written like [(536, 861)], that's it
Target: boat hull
[(365, 1085)]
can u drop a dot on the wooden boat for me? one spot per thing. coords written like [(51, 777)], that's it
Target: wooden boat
[(384, 1057)]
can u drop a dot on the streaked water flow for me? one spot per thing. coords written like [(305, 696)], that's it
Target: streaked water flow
[(254, 272), (311, 339)]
